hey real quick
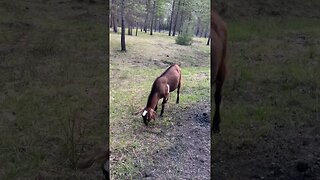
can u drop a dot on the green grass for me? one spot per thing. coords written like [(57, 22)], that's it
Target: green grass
[(273, 78), (53, 77), (270, 27), (131, 76)]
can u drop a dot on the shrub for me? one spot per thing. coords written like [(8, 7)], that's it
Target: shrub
[(184, 39)]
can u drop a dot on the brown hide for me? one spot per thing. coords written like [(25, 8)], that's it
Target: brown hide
[(218, 62)]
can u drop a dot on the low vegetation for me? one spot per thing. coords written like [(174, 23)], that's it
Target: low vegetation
[(131, 76), (271, 100), (53, 95)]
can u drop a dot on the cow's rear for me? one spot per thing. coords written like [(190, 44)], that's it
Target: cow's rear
[(218, 62)]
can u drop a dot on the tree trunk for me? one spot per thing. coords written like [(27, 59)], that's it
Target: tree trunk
[(128, 28), (176, 19), (110, 21), (198, 27), (181, 18), (114, 20), (115, 25), (152, 18), (146, 20), (123, 28), (172, 13), (159, 25), (137, 29), (205, 33), (209, 38)]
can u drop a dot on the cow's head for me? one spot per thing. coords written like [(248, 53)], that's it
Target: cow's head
[(148, 114)]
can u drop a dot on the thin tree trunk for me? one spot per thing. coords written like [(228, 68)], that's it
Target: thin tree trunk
[(114, 19), (175, 23), (146, 20), (152, 18), (115, 25), (110, 20), (181, 18), (159, 25), (137, 29), (205, 33), (209, 38), (128, 28), (198, 27), (172, 13), (123, 28)]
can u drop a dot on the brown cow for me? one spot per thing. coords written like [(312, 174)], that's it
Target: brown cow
[(167, 82), (218, 62)]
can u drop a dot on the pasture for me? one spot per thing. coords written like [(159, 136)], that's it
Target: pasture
[(176, 145), (53, 87), (270, 109)]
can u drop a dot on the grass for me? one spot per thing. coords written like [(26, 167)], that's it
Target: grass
[(131, 76), (273, 81), (270, 27), (52, 88)]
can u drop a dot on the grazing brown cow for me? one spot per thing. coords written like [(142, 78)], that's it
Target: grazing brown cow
[(167, 82), (218, 62)]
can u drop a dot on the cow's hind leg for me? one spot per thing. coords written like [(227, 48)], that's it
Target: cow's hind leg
[(216, 118), (178, 91), (105, 171), (217, 98)]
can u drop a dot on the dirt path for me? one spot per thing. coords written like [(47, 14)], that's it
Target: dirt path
[(189, 155)]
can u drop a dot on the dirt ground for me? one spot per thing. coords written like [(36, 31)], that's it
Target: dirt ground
[(189, 156)]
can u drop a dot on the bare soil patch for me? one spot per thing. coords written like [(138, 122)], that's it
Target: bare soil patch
[(188, 157)]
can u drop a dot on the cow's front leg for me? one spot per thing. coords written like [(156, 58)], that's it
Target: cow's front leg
[(165, 99)]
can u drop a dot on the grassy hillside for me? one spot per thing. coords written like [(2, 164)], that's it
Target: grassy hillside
[(52, 87), (133, 145)]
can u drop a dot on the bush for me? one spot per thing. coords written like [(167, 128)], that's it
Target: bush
[(184, 39)]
